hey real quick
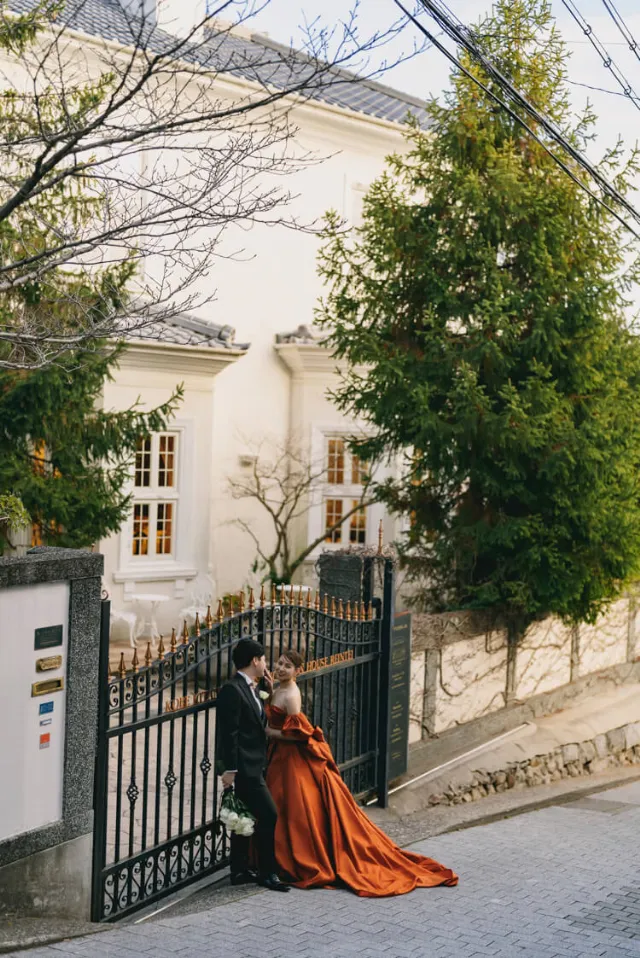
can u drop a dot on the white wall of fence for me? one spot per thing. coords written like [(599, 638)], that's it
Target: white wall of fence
[(460, 662)]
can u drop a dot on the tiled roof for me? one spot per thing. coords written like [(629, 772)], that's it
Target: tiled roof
[(187, 330), (254, 58), (303, 334)]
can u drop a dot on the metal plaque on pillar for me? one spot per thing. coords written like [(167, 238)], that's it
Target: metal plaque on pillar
[(399, 695)]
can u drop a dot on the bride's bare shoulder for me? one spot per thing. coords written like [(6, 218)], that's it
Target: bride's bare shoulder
[(292, 700)]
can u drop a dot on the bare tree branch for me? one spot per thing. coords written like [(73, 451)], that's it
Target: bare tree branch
[(283, 484), (174, 139)]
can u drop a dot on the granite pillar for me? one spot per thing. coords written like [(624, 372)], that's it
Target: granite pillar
[(46, 869)]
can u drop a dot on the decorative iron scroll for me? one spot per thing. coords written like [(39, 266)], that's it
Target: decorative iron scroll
[(157, 794)]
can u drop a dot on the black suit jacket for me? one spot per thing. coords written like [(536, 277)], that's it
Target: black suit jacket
[(241, 731)]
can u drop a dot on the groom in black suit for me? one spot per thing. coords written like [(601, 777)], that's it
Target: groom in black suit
[(242, 748)]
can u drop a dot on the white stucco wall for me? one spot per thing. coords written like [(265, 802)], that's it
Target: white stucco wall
[(32, 728), (544, 658), (141, 376), (605, 643), (471, 682), (471, 679), (272, 288), (260, 398), (416, 696)]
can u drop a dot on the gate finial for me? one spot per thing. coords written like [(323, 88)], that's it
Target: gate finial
[(263, 597), (325, 604), (252, 599), (317, 601), (161, 650), (308, 598), (174, 640), (122, 668), (274, 597), (209, 618), (196, 627), (241, 601), (380, 537), (148, 658), (282, 595), (340, 609), (348, 611), (185, 632), (135, 664), (333, 606), (220, 612), (363, 612)]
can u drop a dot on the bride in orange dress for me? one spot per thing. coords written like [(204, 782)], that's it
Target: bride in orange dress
[(323, 838)]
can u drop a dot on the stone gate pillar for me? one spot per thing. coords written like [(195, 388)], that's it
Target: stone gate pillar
[(50, 613)]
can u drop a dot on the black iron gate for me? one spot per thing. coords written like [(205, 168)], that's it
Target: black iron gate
[(157, 793)]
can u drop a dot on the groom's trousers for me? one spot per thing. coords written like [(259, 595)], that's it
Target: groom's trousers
[(257, 797)]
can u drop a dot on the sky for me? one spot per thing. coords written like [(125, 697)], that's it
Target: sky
[(427, 73)]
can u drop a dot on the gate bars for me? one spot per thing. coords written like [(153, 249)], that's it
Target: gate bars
[(156, 826)]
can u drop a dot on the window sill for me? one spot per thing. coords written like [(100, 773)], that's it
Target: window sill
[(162, 572)]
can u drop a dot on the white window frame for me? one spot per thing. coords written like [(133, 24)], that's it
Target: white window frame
[(347, 492), (178, 564), (355, 214), (155, 495), (322, 490)]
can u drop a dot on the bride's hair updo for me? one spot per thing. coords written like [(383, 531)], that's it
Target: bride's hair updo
[(294, 657)]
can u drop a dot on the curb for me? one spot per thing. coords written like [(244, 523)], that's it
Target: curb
[(44, 941), (565, 798)]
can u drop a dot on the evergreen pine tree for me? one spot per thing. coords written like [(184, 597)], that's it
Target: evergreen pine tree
[(67, 460), (482, 308)]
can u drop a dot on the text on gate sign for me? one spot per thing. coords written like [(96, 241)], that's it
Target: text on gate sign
[(186, 701), (314, 665)]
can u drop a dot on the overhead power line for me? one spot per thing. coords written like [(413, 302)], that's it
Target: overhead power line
[(464, 37), (607, 60), (619, 21), (598, 89)]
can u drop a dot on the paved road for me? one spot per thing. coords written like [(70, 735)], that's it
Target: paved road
[(562, 882)]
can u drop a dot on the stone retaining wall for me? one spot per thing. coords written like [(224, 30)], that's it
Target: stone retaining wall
[(619, 747)]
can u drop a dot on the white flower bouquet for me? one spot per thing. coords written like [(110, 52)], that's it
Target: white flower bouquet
[(235, 815)]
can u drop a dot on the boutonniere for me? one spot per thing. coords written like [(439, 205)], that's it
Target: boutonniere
[(263, 695)]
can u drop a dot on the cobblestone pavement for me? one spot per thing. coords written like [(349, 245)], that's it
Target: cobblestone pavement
[(562, 882)]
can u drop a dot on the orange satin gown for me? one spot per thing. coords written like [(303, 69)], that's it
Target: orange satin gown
[(323, 838)]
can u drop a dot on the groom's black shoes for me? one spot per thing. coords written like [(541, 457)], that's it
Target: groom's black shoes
[(273, 883), (246, 877)]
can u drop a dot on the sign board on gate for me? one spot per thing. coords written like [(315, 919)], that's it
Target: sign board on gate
[(400, 669)]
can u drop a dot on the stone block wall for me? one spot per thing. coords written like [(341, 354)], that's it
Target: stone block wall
[(618, 748)]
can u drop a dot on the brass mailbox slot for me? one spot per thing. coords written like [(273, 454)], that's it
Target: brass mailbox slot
[(47, 686), (51, 662)]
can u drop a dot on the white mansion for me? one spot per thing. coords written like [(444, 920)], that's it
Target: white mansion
[(255, 379)]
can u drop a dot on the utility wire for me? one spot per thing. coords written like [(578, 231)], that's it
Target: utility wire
[(464, 38), (619, 21), (599, 89), (605, 56)]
